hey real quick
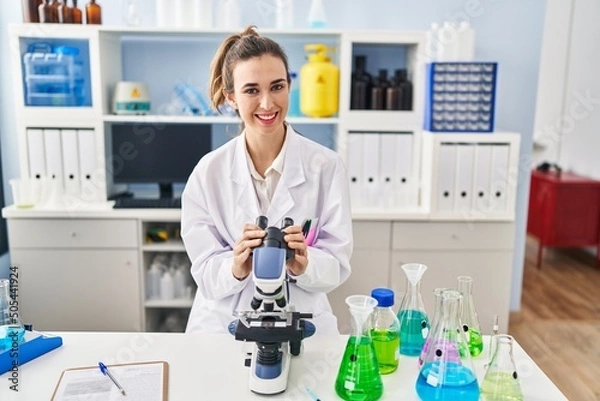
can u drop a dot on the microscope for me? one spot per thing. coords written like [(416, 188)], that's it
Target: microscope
[(276, 333)]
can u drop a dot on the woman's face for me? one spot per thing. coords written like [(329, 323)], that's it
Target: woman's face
[(261, 94)]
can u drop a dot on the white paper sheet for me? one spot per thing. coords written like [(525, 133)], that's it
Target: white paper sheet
[(142, 382)]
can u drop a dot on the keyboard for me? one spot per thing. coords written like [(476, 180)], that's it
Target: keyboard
[(147, 203)]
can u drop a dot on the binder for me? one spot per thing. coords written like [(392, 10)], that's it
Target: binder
[(465, 153), (70, 161), (34, 345), (446, 173), (370, 169), (87, 163), (387, 169), (36, 153), (53, 151), (499, 184), (481, 178), (354, 165), (405, 183)]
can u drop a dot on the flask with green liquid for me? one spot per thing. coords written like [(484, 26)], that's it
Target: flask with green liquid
[(501, 382), (468, 316), (358, 378)]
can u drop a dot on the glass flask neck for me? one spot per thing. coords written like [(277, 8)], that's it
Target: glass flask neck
[(465, 285)]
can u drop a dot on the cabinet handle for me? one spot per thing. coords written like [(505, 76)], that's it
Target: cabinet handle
[(455, 237), (73, 234)]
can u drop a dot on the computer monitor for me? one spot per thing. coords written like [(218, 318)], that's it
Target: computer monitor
[(164, 154)]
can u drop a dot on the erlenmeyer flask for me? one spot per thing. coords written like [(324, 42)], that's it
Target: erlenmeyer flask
[(468, 316), (435, 320), (447, 372), (359, 377), (414, 324), (501, 382), (11, 328)]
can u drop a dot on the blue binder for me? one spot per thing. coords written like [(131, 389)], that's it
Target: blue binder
[(34, 345)]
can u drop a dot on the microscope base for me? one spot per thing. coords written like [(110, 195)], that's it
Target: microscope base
[(274, 385)]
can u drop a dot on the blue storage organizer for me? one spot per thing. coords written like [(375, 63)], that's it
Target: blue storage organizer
[(460, 96), (56, 74)]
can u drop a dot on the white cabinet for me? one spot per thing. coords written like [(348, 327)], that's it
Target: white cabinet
[(481, 250), (77, 274)]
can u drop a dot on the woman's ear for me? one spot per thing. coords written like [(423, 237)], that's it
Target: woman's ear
[(230, 99)]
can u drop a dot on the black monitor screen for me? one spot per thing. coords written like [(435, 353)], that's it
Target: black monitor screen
[(157, 153)]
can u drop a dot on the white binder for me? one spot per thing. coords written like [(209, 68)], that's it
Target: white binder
[(70, 161), (446, 173), (354, 166), (499, 184), (53, 150), (36, 153), (387, 170), (465, 153), (87, 164), (370, 169), (481, 178), (406, 186)]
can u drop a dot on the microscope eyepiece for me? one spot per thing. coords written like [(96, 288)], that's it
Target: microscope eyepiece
[(262, 222), (287, 221)]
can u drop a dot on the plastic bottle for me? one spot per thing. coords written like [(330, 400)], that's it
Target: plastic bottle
[(284, 14), (93, 13), (153, 282), (179, 283), (386, 331), (130, 13), (449, 42), (466, 34), (294, 108), (167, 290), (319, 83), (432, 42), (361, 85), (378, 91), (316, 15)]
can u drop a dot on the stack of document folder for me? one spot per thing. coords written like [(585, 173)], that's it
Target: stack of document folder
[(33, 345)]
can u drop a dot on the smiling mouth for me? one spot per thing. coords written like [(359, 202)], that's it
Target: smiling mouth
[(267, 118)]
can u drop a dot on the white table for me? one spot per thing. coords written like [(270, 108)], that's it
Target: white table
[(210, 367)]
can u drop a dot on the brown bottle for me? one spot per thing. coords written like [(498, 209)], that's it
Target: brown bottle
[(55, 4), (76, 13), (31, 10), (46, 12), (65, 13), (93, 13)]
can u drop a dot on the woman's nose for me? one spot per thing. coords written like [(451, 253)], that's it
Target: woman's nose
[(266, 101)]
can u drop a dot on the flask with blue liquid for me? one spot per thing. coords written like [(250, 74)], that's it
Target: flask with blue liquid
[(447, 372), (11, 328), (414, 322)]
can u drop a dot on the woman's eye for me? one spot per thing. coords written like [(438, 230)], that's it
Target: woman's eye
[(251, 91), (278, 87)]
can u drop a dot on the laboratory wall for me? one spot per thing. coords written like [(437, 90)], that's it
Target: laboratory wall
[(508, 31)]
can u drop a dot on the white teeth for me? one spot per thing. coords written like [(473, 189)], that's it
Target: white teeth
[(266, 116)]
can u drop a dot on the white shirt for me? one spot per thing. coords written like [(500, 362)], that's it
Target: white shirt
[(265, 187)]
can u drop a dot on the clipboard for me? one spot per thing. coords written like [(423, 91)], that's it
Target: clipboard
[(126, 375)]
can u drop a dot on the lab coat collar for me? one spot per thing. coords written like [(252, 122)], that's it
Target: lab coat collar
[(292, 176)]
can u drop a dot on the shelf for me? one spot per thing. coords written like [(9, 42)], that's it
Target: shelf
[(204, 119), (171, 303), (387, 120), (169, 246)]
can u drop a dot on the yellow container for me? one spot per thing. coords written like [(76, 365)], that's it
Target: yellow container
[(319, 83)]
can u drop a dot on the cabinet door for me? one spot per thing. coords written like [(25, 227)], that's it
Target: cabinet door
[(370, 269), (90, 290), (491, 272)]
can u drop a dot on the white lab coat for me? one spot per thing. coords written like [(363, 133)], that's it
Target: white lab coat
[(219, 199)]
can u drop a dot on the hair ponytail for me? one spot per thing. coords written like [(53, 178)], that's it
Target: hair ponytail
[(234, 48)]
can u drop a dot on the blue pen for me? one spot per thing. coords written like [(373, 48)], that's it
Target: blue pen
[(106, 372), (312, 395)]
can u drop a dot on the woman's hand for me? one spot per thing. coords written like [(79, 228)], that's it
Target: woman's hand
[(242, 262), (295, 240)]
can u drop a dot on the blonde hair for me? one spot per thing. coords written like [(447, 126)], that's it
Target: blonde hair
[(239, 47)]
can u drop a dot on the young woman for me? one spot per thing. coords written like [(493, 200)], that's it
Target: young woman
[(268, 170)]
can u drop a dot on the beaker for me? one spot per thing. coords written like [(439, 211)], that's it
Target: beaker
[(414, 323), (358, 378), (468, 316), (11, 328), (447, 372), (437, 307), (501, 382)]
